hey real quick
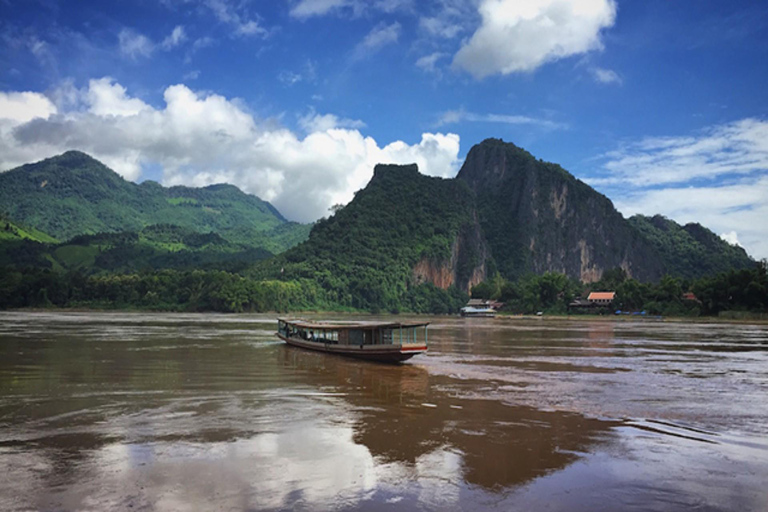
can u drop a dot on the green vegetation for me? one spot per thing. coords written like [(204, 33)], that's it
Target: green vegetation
[(735, 291), (691, 251), (363, 256), (13, 231), (146, 246), (73, 194)]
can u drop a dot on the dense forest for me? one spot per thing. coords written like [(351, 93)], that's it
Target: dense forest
[(73, 194), (735, 291), (744, 290)]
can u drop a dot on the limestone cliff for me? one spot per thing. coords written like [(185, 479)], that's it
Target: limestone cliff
[(466, 266), (537, 217)]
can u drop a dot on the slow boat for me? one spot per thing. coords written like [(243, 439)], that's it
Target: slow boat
[(481, 312), (389, 342)]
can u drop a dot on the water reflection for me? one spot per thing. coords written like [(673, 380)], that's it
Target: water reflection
[(203, 412)]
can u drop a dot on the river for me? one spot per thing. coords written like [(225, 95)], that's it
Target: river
[(181, 412)]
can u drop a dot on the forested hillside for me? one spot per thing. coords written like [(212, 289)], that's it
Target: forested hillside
[(73, 194), (690, 251), (364, 256)]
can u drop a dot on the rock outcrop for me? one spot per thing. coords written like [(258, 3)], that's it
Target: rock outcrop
[(537, 217)]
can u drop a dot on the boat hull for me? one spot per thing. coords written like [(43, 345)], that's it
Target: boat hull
[(382, 354)]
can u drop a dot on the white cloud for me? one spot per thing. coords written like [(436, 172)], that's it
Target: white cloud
[(731, 237), (440, 27), (314, 122), (107, 98), (304, 9), (176, 37), (379, 37), (236, 15), (428, 63), (606, 76), (200, 139), (309, 8), (738, 210), (133, 44), (458, 116), (192, 75), (718, 177), (20, 107), (736, 148), (516, 36)]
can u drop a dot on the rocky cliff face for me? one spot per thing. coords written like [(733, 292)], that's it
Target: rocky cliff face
[(466, 266), (537, 217)]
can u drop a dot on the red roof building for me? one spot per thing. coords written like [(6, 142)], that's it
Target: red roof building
[(601, 298)]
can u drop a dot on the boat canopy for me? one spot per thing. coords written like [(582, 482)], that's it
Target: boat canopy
[(305, 324)]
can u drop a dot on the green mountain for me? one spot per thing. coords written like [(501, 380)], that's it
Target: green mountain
[(397, 244), (537, 218), (691, 251), (406, 235), (13, 231), (160, 246), (73, 194)]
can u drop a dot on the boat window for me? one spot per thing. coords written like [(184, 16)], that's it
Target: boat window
[(356, 337)]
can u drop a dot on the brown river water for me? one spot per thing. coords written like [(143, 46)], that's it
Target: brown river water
[(172, 412)]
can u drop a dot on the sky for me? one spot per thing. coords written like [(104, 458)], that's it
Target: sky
[(659, 104)]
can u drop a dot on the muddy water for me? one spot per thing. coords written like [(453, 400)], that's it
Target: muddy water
[(206, 412)]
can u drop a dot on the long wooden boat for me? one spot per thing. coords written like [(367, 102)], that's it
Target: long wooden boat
[(389, 342)]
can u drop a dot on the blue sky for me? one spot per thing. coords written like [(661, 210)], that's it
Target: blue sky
[(661, 105)]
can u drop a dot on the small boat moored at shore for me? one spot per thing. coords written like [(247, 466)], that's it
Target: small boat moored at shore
[(481, 312), (389, 342)]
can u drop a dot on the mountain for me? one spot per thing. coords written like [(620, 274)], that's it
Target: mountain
[(73, 194), (398, 243), (406, 235), (691, 251), (160, 246), (537, 217)]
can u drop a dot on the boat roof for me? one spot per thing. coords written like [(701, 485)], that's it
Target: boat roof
[(340, 325)]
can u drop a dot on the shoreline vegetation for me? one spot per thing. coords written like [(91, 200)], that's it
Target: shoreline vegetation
[(734, 296), (726, 317)]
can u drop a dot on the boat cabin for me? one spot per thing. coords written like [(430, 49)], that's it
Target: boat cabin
[(383, 341), (355, 333)]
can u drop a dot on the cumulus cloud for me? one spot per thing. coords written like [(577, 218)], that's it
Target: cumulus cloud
[(107, 98), (517, 36), (20, 107), (199, 139), (314, 122), (718, 177)]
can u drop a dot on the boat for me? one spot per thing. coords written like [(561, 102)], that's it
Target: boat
[(481, 312), (390, 342)]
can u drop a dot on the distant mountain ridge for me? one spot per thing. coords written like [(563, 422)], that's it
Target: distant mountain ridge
[(73, 194), (690, 251)]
